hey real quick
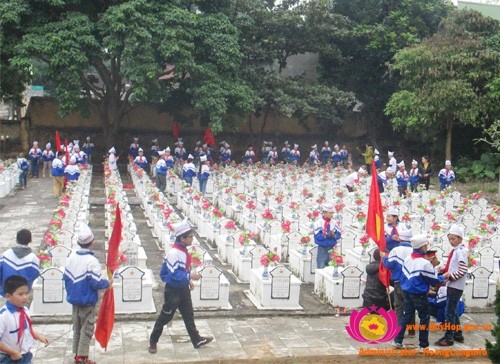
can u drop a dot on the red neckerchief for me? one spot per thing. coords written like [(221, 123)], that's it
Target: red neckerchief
[(188, 256), (417, 254), (414, 172), (449, 260), (325, 225), (394, 231), (23, 319)]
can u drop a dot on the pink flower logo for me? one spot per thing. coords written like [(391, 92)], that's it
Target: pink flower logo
[(373, 325)]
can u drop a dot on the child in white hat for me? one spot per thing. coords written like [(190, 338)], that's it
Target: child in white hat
[(446, 176), (326, 235)]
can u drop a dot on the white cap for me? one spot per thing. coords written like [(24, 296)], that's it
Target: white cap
[(72, 160), (361, 170), (167, 150), (447, 163), (48, 145), (203, 158), (88, 138), (393, 210), (326, 142), (286, 142), (181, 228), (327, 207), (136, 138), (376, 151), (414, 162), (456, 230), (141, 150), (190, 156), (161, 152), (85, 235), (390, 154), (295, 145), (419, 240), (76, 142), (155, 140), (35, 142), (389, 170), (405, 235), (314, 146), (401, 164), (112, 150)]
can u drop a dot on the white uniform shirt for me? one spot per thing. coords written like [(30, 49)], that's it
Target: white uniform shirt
[(9, 326)]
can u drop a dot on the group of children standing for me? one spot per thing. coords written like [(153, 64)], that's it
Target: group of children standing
[(416, 276)]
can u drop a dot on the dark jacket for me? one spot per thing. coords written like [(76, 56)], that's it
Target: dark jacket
[(375, 292)]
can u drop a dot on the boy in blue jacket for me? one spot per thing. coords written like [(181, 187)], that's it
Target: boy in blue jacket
[(20, 260), (326, 235), (176, 273), (83, 280)]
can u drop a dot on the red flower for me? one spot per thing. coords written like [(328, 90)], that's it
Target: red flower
[(267, 215), (230, 225), (285, 226), (305, 240), (251, 205), (217, 213)]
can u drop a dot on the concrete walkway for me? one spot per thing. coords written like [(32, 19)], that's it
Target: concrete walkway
[(315, 335)]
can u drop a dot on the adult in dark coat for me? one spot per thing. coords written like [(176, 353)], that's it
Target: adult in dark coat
[(375, 291), (425, 172)]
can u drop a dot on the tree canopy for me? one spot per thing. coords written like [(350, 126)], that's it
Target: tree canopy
[(450, 78)]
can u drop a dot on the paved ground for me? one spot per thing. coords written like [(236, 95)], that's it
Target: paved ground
[(243, 334)]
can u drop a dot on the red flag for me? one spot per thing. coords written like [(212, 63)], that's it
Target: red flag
[(375, 224), (209, 137), (176, 129), (58, 143), (106, 319)]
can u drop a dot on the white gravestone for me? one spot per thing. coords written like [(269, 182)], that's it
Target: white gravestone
[(486, 258), (49, 295), (59, 255), (495, 243), (211, 290), (351, 287), (133, 291), (281, 290), (480, 290), (347, 241)]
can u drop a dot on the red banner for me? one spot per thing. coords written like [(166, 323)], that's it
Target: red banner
[(106, 319), (209, 137), (176, 130), (375, 224), (58, 143)]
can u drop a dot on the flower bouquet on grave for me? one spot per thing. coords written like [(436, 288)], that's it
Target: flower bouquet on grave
[(336, 261), (230, 225), (123, 258), (286, 227), (50, 239), (267, 216), (476, 196), (358, 200), (252, 207), (167, 212), (196, 258), (60, 214), (474, 240), (435, 227), (244, 240), (492, 217), (306, 193), (471, 260), (339, 193), (45, 260), (294, 206), (240, 198), (217, 214), (361, 217), (270, 258), (55, 224), (305, 241), (451, 217), (365, 243), (484, 229)]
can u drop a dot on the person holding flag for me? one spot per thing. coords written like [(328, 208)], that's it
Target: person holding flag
[(178, 278), (83, 279)]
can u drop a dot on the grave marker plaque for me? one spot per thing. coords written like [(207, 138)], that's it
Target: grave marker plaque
[(210, 283), (487, 260), (131, 278), (280, 282), (52, 285), (480, 282), (351, 286), (59, 255)]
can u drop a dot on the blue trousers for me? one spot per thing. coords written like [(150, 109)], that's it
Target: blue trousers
[(452, 297), (26, 359), (415, 302), (323, 257), (34, 167), (22, 178), (203, 186)]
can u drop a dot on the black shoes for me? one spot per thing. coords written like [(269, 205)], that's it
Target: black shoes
[(459, 339), (202, 341), (152, 348), (444, 342)]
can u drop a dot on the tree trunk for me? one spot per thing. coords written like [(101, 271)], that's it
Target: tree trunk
[(449, 129)]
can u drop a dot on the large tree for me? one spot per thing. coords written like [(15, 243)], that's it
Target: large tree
[(448, 79), (374, 32), (113, 53)]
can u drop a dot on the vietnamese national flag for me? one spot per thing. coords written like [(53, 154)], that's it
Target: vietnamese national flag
[(106, 319), (176, 130), (58, 143), (209, 137), (375, 224)]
